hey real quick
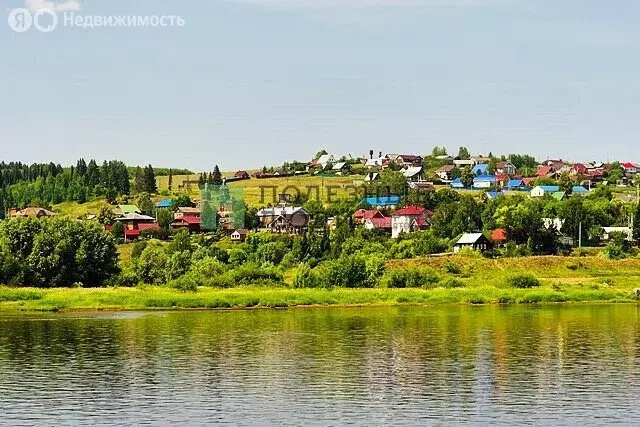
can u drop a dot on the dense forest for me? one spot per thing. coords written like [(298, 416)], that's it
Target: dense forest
[(46, 184)]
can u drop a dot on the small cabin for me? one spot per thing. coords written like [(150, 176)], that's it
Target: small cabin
[(475, 241), (239, 236)]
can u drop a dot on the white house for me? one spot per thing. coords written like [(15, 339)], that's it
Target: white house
[(541, 190), (412, 173), (627, 231)]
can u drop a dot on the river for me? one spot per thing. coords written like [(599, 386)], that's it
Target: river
[(566, 364)]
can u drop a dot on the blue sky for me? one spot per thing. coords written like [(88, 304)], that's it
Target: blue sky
[(252, 82)]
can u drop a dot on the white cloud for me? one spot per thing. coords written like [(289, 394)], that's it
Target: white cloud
[(57, 6)]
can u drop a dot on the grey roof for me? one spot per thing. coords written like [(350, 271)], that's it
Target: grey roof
[(134, 216), (286, 211), (469, 238)]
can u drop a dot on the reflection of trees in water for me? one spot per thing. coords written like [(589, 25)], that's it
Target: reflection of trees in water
[(372, 353)]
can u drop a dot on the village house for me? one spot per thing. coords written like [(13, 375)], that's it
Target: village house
[(444, 173), (515, 184), (134, 223), (485, 181), (480, 169), (239, 235), (323, 161), (578, 169), (546, 171), (187, 211), (378, 224), (457, 184), (187, 222), (627, 232), (542, 190), (403, 160), (126, 209), (579, 190), (475, 241), (375, 163), (34, 212), (410, 219), (164, 204), (284, 220), (361, 215), (506, 168), (413, 173), (371, 177), (499, 237), (422, 185), (629, 167), (381, 201), (460, 163), (340, 168)]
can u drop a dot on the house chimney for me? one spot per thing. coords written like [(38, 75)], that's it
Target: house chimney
[(380, 155), (371, 154)]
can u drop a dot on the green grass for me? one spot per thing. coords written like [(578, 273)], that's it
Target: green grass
[(252, 187), (78, 210), (27, 299)]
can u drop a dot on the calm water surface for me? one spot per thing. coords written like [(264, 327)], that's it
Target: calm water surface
[(480, 365)]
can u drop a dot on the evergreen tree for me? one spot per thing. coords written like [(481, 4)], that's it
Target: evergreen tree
[(138, 180), (150, 185), (217, 176)]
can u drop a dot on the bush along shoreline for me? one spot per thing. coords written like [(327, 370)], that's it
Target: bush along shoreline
[(75, 265)]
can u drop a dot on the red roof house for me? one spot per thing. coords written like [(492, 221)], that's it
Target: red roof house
[(364, 214), (378, 224)]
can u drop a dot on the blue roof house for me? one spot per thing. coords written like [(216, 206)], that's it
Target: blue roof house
[(481, 169), (164, 204), (485, 181), (579, 189), (457, 183), (382, 201), (515, 184)]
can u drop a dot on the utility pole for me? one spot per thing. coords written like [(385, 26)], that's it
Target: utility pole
[(580, 236)]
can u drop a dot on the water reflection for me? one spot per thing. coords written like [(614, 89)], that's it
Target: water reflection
[(548, 365)]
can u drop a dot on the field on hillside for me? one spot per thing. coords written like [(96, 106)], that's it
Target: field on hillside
[(77, 210), (337, 186)]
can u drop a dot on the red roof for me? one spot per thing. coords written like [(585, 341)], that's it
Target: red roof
[(502, 177), (411, 211), (151, 226), (365, 214), (579, 168), (499, 235), (191, 220), (421, 221), (544, 170), (381, 222), (596, 172), (628, 165), (131, 232), (528, 181)]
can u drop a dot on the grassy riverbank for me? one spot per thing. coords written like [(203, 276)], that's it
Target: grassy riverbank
[(29, 299), (477, 281)]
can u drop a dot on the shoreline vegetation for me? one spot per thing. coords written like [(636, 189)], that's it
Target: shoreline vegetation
[(475, 281)]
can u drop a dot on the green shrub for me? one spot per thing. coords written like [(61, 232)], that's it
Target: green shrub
[(452, 268), (253, 274), (410, 278), (452, 283), (185, 284), (305, 277), (523, 281)]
